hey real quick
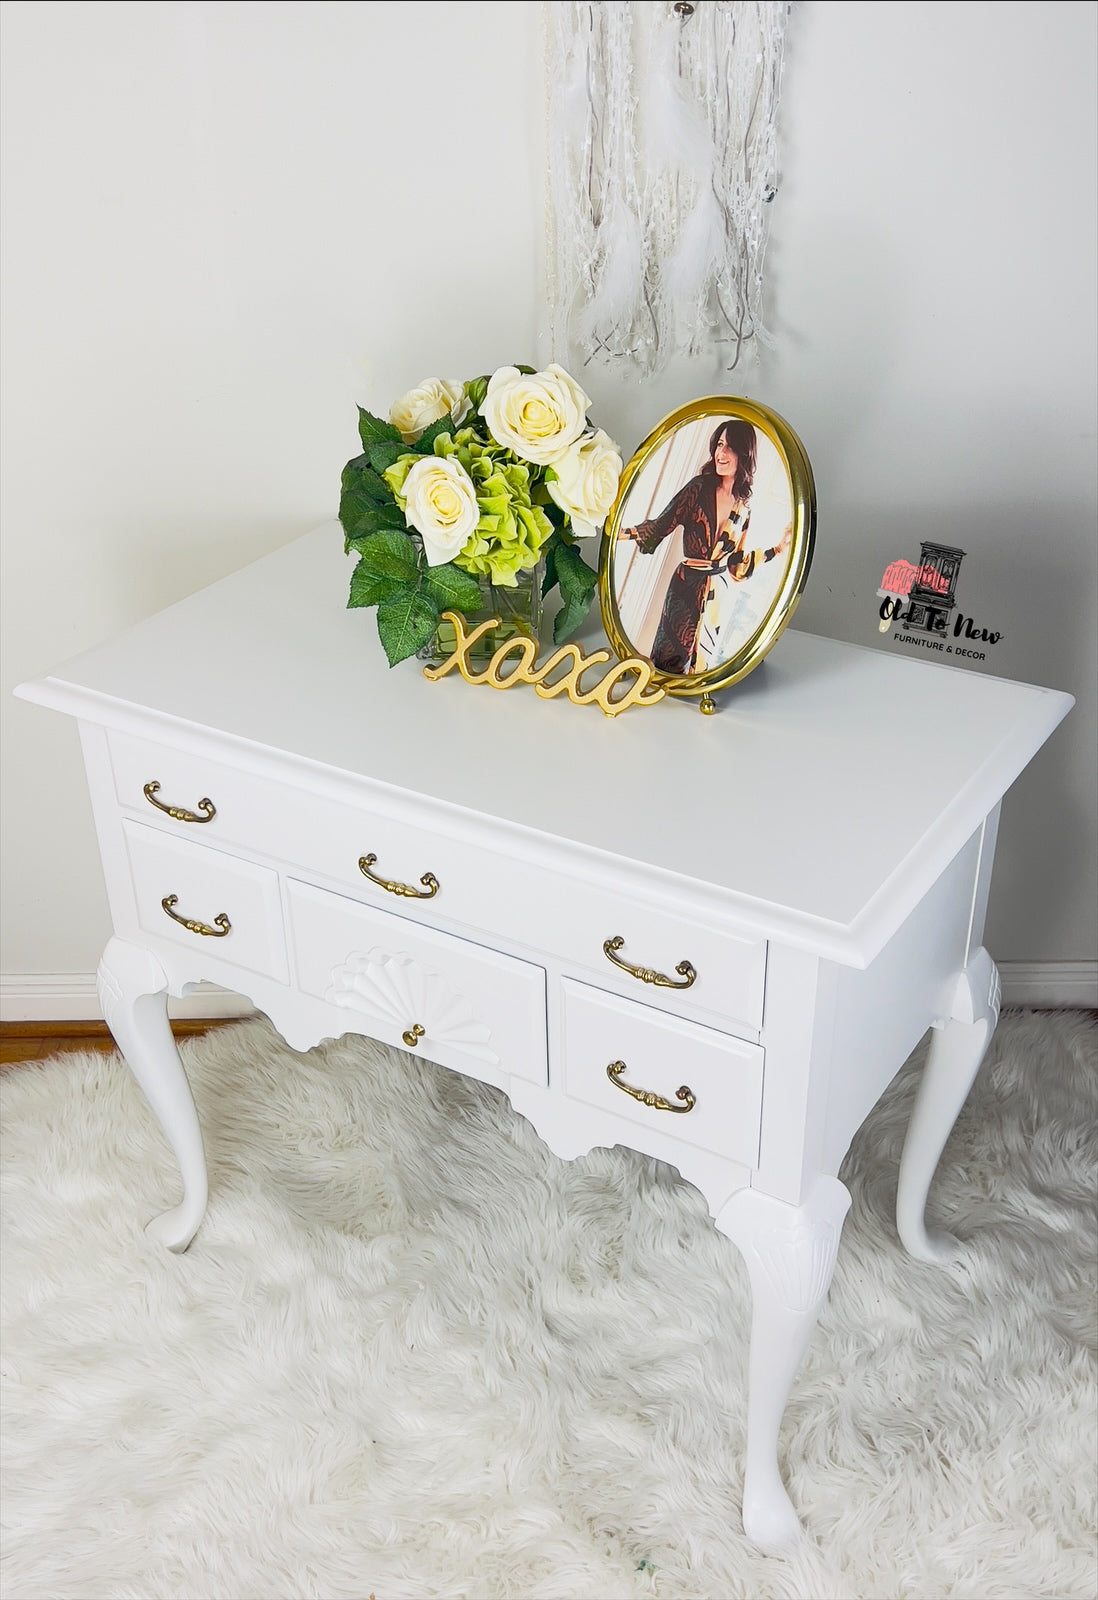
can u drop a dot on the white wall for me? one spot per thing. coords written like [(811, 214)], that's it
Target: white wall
[(227, 223)]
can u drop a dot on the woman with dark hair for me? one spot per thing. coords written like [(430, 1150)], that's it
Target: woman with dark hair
[(713, 510)]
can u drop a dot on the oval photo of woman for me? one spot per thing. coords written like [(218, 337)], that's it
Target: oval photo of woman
[(708, 545)]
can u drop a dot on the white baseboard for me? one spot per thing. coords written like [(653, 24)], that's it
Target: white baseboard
[(1050, 985), (71, 997)]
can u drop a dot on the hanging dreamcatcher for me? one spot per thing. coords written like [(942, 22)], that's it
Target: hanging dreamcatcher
[(662, 165)]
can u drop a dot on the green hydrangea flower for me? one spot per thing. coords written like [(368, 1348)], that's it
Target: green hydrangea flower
[(513, 530), (395, 475)]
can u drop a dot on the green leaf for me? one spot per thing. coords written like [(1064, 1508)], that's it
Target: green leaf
[(359, 543), (575, 577), (565, 565), (452, 589), (361, 516), (390, 554), (373, 429), (476, 389), (369, 587), (569, 617), (355, 512), (549, 560), (528, 371), (383, 452), (360, 474), (375, 519), (425, 444), (405, 621)]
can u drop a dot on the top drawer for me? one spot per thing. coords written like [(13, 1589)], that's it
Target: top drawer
[(191, 795), (421, 872), (624, 944)]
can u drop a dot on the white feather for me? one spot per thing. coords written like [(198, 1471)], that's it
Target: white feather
[(618, 277), (697, 253), (676, 135)]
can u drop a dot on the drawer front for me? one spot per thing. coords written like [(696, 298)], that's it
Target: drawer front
[(192, 797), (237, 901), (452, 1001), (661, 1055), (320, 838), (428, 876), (676, 965)]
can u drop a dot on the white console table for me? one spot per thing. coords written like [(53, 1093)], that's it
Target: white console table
[(713, 939)]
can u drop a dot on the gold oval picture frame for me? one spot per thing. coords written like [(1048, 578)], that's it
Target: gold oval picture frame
[(707, 546)]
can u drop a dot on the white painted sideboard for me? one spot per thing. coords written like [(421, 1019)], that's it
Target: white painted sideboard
[(472, 875)]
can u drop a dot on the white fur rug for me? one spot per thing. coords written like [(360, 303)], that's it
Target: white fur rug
[(412, 1354)]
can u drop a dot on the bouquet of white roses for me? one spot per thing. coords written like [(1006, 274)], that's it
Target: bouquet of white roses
[(473, 481)]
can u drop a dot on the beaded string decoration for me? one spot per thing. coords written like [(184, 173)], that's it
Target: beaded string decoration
[(662, 167)]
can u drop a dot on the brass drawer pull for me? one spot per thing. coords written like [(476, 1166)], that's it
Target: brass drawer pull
[(428, 880), (646, 975), (645, 1096), (221, 926), (413, 1035), (151, 790)]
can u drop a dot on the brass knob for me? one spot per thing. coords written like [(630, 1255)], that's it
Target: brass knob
[(413, 1035)]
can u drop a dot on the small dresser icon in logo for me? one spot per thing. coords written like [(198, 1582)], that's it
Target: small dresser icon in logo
[(927, 586)]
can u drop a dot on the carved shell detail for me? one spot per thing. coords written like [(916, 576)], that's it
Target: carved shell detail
[(798, 1260), (397, 991)]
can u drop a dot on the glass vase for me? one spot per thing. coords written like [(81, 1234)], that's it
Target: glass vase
[(518, 610)]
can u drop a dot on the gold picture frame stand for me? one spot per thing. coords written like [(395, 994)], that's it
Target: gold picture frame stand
[(669, 490)]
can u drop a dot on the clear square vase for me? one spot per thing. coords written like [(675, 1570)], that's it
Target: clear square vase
[(518, 610)]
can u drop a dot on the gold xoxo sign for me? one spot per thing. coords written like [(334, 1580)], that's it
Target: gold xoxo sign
[(527, 669)]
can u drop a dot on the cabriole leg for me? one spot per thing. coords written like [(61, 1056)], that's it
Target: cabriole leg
[(956, 1051), (790, 1255), (133, 992)]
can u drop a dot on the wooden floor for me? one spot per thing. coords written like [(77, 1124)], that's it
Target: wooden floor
[(35, 1041)]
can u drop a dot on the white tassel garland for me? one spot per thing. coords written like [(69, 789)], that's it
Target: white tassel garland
[(662, 166)]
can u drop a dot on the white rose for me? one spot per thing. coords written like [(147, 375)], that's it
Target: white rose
[(441, 504), (426, 403), (537, 415), (587, 478)]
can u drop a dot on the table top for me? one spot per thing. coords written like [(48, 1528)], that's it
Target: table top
[(830, 790)]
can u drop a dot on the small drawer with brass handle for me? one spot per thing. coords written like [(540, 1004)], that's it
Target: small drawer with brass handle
[(451, 1000), (159, 783), (188, 893), (710, 1082), (687, 968)]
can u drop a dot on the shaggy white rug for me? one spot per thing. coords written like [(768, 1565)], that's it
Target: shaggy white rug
[(412, 1354)]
